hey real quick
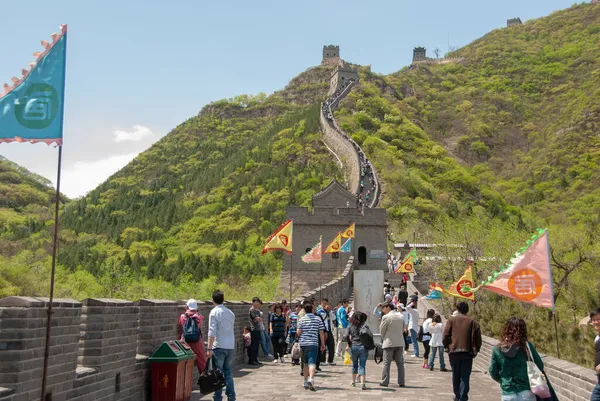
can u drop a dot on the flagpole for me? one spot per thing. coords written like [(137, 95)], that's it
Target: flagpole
[(552, 293), (54, 248), (291, 273), (321, 281)]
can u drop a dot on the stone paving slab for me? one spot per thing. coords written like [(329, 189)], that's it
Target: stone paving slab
[(283, 382)]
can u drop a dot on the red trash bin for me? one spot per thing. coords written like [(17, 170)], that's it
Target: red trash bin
[(168, 365)]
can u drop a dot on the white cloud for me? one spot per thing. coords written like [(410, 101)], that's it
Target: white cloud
[(138, 133), (87, 175)]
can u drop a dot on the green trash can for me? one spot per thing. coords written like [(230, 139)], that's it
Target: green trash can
[(168, 365), (190, 365)]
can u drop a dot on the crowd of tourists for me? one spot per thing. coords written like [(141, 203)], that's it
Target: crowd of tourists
[(313, 334), (368, 182)]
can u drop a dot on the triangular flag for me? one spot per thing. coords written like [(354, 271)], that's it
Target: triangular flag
[(335, 245), (280, 239), (457, 289), (349, 232), (528, 278), (314, 255), (408, 263), (347, 247)]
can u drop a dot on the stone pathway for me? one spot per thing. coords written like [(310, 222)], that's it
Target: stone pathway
[(283, 382)]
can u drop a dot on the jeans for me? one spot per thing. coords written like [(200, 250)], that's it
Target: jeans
[(526, 395), (596, 393), (359, 355), (310, 354), (440, 350), (222, 360), (413, 338), (264, 342), (330, 344), (462, 365), (393, 354), (255, 337)]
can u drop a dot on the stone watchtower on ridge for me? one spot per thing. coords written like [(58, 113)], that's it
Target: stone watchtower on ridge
[(513, 22), (419, 54), (331, 54), (334, 210), (343, 73)]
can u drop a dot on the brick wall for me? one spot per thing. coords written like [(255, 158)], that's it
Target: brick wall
[(100, 347)]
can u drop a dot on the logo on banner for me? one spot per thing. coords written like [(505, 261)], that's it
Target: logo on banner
[(461, 284), (284, 239), (408, 267), (525, 284), (38, 108)]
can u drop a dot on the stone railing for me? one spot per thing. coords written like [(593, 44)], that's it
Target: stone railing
[(100, 347)]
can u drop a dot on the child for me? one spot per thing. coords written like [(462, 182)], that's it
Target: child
[(247, 341)]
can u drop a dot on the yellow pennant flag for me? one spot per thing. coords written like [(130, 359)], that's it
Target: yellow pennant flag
[(408, 266), (349, 232), (456, 289), (281, 239), (335, 245)]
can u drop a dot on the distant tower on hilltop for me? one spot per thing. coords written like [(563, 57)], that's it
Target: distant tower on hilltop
[(331, 54), (342, 74), (513, 22), (419, 54)]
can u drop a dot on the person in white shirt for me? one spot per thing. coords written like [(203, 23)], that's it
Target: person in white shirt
[(221, 343), (406, 316), (413, 325), (436, 329), (427, 337)]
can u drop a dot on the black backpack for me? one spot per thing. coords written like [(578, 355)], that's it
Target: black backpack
[(378, 354), (366, 337), (191, 331)]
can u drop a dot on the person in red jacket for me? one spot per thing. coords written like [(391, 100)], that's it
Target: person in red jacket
[(196, 346)]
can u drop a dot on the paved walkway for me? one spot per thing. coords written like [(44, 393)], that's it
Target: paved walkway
[(283, 382)]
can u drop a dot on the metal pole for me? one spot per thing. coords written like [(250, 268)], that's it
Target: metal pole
[(556, 335), (291, 274), (54, 248), (321, 281)]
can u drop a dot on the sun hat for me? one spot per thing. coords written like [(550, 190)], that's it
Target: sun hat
[(192, 304)]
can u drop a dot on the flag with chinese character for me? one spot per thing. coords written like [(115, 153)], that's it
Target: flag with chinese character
[(335, 245), (528, 276), (462, 287), (408, 263), (281, 239), (347, 247), (31, 108), (349, 232), (314, 255)]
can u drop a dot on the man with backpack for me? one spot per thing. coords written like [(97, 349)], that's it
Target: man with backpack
[(392, 328), (189, 326)]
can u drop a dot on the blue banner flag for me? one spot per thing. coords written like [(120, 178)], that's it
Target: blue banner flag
[(31, 109), (347, 247)]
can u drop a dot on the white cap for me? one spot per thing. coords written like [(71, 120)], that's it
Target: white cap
[(192, 304), (388, 296)]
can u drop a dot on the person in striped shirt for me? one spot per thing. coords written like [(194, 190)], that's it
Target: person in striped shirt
[(310, 328)]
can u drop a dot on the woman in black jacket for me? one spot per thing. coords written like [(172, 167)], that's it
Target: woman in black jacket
[(358, 352)]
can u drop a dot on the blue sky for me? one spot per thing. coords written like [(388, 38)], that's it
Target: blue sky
[(137, 68)]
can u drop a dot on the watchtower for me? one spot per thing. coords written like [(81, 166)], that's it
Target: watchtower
[(513, 22), (419, 54), (331, 54), (343, 73)]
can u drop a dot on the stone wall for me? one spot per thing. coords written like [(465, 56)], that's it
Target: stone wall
[(99, 348)]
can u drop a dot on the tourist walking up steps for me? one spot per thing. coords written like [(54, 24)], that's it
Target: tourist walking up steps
[(436, 329), (310, 328), (392, 330), (462, 337), (278, 328), (342, 318), (358, 352), (188, 326), (413, 325), (221, 343), (595, 319), (509, 362)]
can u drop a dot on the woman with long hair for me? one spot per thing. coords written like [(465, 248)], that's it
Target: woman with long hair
[(278, 328), (436, 329), (358, 352), (427, 337), (509, 362)]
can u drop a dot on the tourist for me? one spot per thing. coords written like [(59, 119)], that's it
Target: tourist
[(191, 335), (247, 341), (413, 326), (436, 329), (427, 337), (265, 340), (310, 328), (508, 366), (595, 320), (342, 318), (462, 338), (406, 316), (403, 294), (358, 352), (386, 287), (278, 327), (392, 329), (284, 305), (221, 343), (377, 311), (293, 326), (256, 327), (325, 313)]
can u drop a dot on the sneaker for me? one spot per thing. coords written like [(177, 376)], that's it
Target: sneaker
[(332, 363), (318, 369), (276, 360), (431, 368), (301, 373), (353, 384), (363, 387), (401, 385), (311, 385), (425, 366), (281, 360), (413, 356), (270, 356), (305, 385), (444, 370), (383, 385), (323, 363)]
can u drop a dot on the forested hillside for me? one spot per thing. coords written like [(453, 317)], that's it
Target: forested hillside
[(484, 150)]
